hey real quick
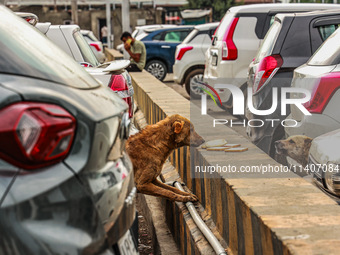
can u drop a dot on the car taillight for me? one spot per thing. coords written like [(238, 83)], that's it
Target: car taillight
[(85, 64), (182, 51), (323, 92), (229, 50), (118, 84), (34, 135), (266, 69), (96, 46)]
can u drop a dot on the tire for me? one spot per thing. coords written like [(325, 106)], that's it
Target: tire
[(157, 68), (191, 86)]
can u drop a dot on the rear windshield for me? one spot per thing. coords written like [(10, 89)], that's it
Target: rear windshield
[(328, 53), (85, 49), (268, 43), (92, 37), (27, 52), (227, 19)]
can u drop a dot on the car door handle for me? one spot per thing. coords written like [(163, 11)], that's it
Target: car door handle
[(165, 46)]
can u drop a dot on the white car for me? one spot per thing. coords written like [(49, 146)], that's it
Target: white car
[(95, 44), (189, 63), (324, 163), (237, 40), (113, 74), (70, 39)]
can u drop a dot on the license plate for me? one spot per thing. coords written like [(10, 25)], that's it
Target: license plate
[(214, 60), (126, 245)]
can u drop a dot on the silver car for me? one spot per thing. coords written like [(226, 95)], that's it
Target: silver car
[(321, 76), (189, 63), (324, 163)]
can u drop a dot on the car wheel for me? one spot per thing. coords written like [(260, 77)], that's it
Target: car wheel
[(157, 68), (191, 83)]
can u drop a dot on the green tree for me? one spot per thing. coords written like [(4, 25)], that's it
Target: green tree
[(219, 6)]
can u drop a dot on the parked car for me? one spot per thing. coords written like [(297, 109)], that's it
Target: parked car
[(321, 76), (95, 44), (66, 182), (114, 75), (69, 38), (324, 163), (290, 42), (160, 49), (189, 63), (237, 41)]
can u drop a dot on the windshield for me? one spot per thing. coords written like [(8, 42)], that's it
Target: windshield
[(85, 49), (328, 53), (268, 42), (222, 28), (28, 52)]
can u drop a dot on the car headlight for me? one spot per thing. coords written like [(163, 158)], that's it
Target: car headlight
[(332, 178)]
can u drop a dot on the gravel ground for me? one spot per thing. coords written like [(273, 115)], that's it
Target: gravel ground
[(145, 245)]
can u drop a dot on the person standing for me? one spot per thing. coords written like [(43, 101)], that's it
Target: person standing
[(137, 52), (104, 34)]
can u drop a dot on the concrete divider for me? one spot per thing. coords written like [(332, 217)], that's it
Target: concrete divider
[(270, 213), (112, 54)]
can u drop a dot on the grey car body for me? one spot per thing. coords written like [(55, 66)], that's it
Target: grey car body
[(76, 204), (291, 41), (324, 163)]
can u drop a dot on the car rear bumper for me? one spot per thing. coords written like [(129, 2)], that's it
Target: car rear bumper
[(179, 71)]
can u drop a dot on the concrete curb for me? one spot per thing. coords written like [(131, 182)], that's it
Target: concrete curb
[(255, 214)]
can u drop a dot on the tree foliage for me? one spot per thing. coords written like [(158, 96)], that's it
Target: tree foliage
[(219, 6)]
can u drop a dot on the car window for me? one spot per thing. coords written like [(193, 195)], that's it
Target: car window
[(30, 53), (268, 42), (227, 19), (92, 37), (326, 31), (157, 37), (272, 19), (85, 49), (173, 36), (88, 39), (211, 32), (329, 51)]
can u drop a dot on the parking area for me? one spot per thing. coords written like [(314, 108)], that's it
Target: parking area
[(208, 138)]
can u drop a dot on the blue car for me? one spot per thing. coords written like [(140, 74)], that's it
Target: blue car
[(160, 49)]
